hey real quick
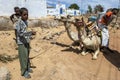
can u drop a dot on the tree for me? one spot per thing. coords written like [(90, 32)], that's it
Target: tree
[(74, 6), (98, 8), (89, 9)]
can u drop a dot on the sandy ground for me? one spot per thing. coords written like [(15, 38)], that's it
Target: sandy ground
[(59, 62)]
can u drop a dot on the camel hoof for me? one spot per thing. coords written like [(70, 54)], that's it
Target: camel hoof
[(83, 54), (94, 58)]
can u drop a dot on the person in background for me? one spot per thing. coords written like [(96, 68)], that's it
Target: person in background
[(14, 18), (23, 41), (103, 22)]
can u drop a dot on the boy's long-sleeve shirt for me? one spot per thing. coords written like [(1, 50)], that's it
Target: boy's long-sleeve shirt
[(23, 36), (107, 18)]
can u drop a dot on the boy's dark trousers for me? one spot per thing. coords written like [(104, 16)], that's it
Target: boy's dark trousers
[(24, 50)]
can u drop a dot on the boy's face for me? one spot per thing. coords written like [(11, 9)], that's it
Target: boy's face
[(17, 11), (115, 12), (24, 15)]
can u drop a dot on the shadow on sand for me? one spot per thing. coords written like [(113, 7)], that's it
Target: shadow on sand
[(61, 44), (113, 57), (68, 49)]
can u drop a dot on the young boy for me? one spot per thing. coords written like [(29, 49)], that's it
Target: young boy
[(23, 39), (103, 22), (14, 18)]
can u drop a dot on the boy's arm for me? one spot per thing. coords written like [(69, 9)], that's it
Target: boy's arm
[(11, 17), (22, 30)]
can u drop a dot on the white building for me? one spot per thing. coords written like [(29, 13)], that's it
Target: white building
[(61, 9), (72, 12), (56, 10), (51, 10), (37, 8)]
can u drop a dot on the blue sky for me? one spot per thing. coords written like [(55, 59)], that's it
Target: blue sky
[(84, 3)]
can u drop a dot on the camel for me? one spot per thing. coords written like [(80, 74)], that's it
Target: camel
[(88, 41)]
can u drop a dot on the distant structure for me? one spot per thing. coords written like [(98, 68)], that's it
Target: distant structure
[(119, 8), (37, 8), (61, 9)]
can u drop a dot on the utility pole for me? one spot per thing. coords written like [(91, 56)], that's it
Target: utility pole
[(119, 5), (81, 7)]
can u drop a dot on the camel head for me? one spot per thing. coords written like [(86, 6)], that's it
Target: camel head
[(79, 23)]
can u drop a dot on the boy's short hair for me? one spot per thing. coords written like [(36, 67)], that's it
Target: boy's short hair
[(23, 9), (110, 9), (115, 11), (16, 8)]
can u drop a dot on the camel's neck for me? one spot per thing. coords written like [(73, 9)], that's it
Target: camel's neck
[(73, 36), (82, 34)]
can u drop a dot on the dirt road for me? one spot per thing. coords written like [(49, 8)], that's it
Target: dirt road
[(60, 62)]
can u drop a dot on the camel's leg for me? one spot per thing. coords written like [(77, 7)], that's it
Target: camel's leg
[(96, 54), (84, 52)]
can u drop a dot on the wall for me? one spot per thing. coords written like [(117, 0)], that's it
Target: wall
[(52, 11), (37, 8)]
